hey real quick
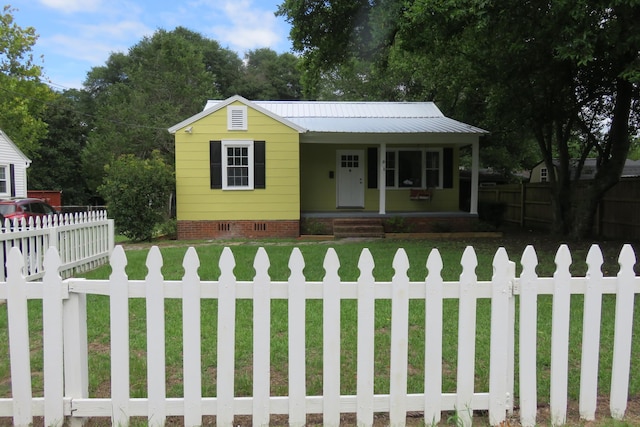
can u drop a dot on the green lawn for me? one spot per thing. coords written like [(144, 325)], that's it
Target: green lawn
[(348, 252)]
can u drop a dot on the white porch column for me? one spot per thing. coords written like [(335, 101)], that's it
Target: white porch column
[(475, 167), (382, 181)]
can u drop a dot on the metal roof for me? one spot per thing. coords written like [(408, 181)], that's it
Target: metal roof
[(364, 117)]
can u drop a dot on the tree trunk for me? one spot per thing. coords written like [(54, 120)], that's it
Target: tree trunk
[(608, 175)]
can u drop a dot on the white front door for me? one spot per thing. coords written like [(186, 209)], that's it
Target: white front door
[(350, 178)]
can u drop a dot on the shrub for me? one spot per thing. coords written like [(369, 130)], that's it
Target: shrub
[(492, 212), (137, 192)]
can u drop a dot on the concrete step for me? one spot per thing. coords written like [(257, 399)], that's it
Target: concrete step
[(358, 227)]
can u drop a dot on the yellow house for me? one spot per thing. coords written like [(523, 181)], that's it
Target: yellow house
[(269, 168)]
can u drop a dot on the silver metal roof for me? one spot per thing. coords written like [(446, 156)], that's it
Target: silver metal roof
[(364, 117)]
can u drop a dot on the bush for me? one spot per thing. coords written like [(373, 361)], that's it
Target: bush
[(137, 192), (492, 212)]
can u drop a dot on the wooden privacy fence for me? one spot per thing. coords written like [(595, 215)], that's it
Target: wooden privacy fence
[(84, 241), (65, 348)]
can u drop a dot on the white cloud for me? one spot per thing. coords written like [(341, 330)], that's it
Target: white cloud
[(247, 26), (72, 6)]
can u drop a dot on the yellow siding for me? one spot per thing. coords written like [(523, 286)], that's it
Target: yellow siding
[(278, 201)]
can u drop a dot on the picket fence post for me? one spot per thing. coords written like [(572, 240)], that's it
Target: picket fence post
[(366, 334), (297, 322), (191, 338), (528, 338), (331, 340), (156, 372), (119, 323), (433, 339), (261, 339), (399, 339)]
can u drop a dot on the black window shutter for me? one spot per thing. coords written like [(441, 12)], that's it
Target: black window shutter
[(447, 173), (215, 159), (372, 167), (12, 177), (259, 163)]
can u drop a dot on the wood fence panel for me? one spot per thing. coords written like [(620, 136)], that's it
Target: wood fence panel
[(591, 335)]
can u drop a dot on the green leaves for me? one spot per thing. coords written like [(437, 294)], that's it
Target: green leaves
[(137, 192)]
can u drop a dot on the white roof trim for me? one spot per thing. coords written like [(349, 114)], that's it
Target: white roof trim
[(5, 137), (218, 106)]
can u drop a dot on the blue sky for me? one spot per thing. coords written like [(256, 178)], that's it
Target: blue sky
[(76, 35)]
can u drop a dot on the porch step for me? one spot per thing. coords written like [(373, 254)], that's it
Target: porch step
[(358, 227)]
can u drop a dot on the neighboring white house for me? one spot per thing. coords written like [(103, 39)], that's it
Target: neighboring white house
[(13, 169), (540, 173)]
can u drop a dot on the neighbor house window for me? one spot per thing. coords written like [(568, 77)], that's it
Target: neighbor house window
[(237, 172), (4, 180), (544, 176), (238, 165), (413, 168)]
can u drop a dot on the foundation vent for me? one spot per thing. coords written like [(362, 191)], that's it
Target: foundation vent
[(224, 226), (259, 226)]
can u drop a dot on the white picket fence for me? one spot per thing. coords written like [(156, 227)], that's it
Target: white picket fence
[(84, 241), (66, 350)]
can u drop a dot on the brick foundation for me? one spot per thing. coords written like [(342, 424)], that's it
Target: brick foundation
[(233, 229)]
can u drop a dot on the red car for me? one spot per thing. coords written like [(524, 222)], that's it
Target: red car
[(25, 208)]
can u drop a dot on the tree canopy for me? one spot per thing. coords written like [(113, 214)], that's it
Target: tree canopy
[(22, 95), (564, 73)]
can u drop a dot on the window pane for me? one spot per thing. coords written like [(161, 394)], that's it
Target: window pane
[(390, 166), (433, 169), (409, 168)]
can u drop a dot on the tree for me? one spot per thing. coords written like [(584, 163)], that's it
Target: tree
[(163, 79), (564, 73), (138, 194), (268, 75), (58, 159), (22, 96)]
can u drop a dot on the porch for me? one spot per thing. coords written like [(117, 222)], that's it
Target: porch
[(353, 223)]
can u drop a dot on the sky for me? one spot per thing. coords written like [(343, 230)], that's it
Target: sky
[(76, 35)]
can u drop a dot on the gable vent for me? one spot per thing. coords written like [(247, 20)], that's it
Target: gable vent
[(237, 117)]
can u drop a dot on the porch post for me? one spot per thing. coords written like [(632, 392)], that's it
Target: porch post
[(475, 167), (382, 181)]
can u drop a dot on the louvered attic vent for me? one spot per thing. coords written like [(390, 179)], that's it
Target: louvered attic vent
[(237, 117)]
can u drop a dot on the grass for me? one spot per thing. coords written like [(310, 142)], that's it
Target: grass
[(348, 252)]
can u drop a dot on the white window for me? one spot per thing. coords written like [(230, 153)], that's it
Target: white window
[(414, 168), (4, 180), (237, 165), (544, 176), (237, 117)]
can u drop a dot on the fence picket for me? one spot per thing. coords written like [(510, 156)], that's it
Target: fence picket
[(499, 350), (331, 340), (591, 335), (560, 336), (52, 341), (225, 385), (528, 338), (466, 337), (156, 376), (623, 333), (19, 340), (366, 333), (191, 344), (297, 322), (119, 321), (261, 339), (433, 340), (399, 339)]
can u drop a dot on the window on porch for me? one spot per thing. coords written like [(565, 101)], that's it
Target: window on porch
[(414, 168)]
